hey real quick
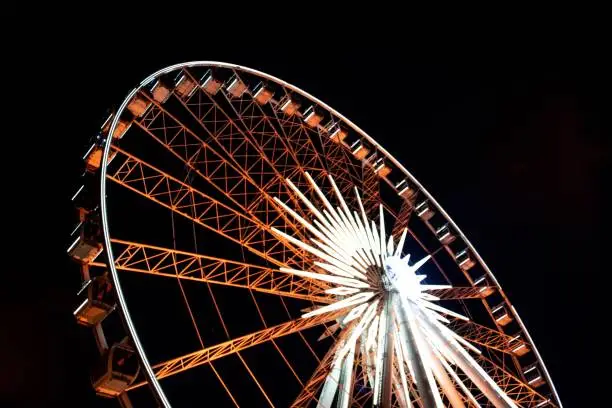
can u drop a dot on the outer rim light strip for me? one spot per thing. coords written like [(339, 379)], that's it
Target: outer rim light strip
[(377, 146), (117, 285), (338, 115)]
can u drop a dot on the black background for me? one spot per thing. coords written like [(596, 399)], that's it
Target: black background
[(511, 139)]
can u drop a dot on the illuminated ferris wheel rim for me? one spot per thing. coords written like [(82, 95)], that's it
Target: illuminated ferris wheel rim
[(149, 373)]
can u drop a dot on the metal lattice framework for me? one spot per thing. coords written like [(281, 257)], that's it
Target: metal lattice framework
[(274, 195)]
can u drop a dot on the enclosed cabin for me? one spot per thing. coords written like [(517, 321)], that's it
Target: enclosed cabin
[(160, 89), (87, 244), (185, 85), (484, 287), (359, 150), (424, 210), (236, 87), (123, 125), (518, 346), (210, 83), (337, 134), (501, 315), (381, 168), (262, 93), (533, 375), (465, 259), (289, 106), (445, 235), (312, 116), (85, 199), (93, 156), (405, 190), (116, 371), (139, 105), (97, 301)]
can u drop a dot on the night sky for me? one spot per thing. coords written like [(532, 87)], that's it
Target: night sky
[(512, 144)]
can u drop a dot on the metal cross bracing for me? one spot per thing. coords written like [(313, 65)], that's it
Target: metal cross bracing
[(177, 204), (249, 137), (458, 292), (165, 262), (221, 171), (162, 188), (485, 336), (403, 216), (499, 328), (156, 183), (285, 141), (310, 389), (184, 143), (286, 148), (246, 151), (371, 190), (521, 393), (209, 354), (489, 308)]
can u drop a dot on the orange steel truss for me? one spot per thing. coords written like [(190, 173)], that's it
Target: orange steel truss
[(245, 151), (522, 394), (236, 345), (311, 387), (157, 261), (458, 292), (371, 191), (245, 229), (484, 336), (403, 217)]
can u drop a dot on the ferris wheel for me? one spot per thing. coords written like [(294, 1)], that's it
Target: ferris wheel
[(300, 250)]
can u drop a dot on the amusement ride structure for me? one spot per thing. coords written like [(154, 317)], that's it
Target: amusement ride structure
[(219, 176)]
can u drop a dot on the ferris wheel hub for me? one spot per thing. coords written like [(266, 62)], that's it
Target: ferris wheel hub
[(238, 145)]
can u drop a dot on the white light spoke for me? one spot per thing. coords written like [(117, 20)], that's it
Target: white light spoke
[(434, 287), (341, 291), (332, 252), (305, 200), (324, 199), (366, 268), (327, 278), (351, 301), (400, 244), (400, 363), (390, 246), (355, 313), (441, 309), (383, 252), (317, 232), (341, 265), (337, 271)]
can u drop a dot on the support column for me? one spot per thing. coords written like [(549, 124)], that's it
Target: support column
[(384, 356), (331, 385), (346, 380), (387, 380), (471, 368), (407, 326)]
